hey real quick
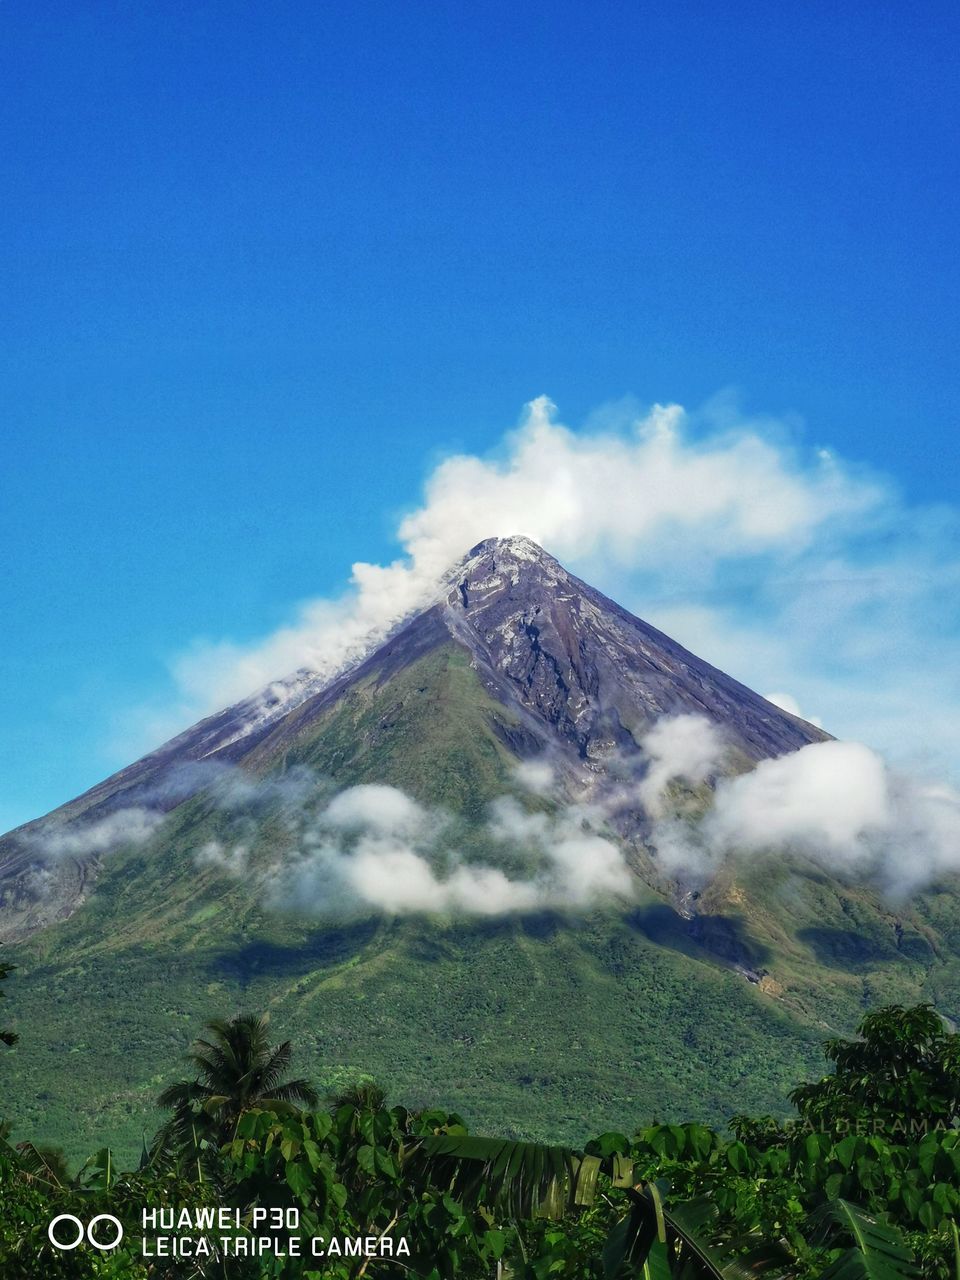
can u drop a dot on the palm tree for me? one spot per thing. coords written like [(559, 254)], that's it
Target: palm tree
[(237, 1070)]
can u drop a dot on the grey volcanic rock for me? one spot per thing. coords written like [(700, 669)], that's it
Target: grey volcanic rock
[(594, 673), (581, 679)]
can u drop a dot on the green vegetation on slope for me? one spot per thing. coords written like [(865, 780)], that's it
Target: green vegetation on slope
[(558, 1027), (562, 1023)]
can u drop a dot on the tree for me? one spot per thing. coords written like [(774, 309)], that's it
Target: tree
[(237, 1070), (901, 1076)]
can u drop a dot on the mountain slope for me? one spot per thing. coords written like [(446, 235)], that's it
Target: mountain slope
[(551, 1022), (567, 671)]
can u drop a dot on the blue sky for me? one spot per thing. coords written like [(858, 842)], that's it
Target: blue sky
[(264, 267)]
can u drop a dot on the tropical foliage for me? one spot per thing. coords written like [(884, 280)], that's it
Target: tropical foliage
[(236, 1070), (862, 1184)]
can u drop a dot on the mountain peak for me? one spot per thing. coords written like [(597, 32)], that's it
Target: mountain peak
[(518, 545), (583, 672), (516, 550), (495, 564)]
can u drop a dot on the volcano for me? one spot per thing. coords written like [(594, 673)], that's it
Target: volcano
[(548, 1022)]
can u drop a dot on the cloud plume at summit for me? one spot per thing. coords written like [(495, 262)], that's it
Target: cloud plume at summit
[(787, 566)]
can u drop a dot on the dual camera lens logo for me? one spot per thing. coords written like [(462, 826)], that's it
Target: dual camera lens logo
[(60, 1238)]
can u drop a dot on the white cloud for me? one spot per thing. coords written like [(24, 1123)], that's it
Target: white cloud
[(384, 810), (619, 493), (370, 848), (584, 865), (645, 503), (865, 632), (373, 848), (396, 880), (130, 826), (685, 748), (839, 804), (828, 798), (231, 859), (536, 776), (787, 702), (587, 869), (512, 823)]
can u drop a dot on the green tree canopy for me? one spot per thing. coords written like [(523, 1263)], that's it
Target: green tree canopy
[(903, 1073), (236, 1069)]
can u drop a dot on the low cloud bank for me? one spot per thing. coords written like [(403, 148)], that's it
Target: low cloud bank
[(838, 803), (375, 848), (79, 839), (229, 789), (687, 749)]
